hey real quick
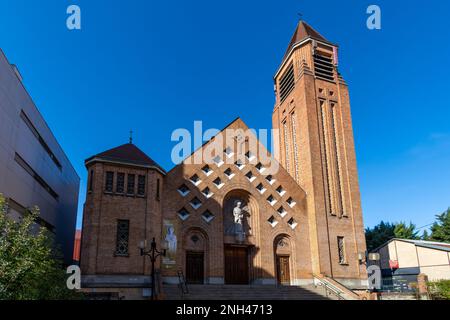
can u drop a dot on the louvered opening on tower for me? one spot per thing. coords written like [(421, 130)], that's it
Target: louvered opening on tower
[(323, 67), (287, 83)]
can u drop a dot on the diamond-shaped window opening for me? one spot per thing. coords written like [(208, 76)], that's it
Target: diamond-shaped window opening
[(281, 191), (282, 212), (239, 164), (218, 161), (229, 152), (260, 167), (195, 203), (250, 155), (292, 223), (218, 183), (183, 214), (183, 190), (272, 221), (195, 179), (270, 179), (207, 192), (271, 200), (260, 188), (229, 173), (291, 202), (250, 176), (195, 238), (207, 170), (207, 216)]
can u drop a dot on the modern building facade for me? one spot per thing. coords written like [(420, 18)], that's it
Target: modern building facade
[(231, 213), (34, 170), (401, 261)]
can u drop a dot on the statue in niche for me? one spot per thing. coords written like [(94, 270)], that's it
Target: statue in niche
[(238, 214), (237, 219)]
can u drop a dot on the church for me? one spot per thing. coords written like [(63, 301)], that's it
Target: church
[(232, 213)]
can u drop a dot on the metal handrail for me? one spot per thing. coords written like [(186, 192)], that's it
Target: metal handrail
[(330, 288), (182, 283)]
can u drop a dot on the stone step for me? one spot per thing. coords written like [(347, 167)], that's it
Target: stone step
[(245, 292)]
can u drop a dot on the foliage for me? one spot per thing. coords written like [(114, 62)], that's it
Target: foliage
[(440, 231), (30, 268), (379, 235), (385, 231), (402, 231), (439, 290)]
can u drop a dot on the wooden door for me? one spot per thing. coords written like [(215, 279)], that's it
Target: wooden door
[(236, 265), (283, 273), (194, 267)]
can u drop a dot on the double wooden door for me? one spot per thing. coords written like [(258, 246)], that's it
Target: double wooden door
[(236, 265), (283, 273), (194, 267)]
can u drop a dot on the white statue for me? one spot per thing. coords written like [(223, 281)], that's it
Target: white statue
[(238, 214), (171, 239)]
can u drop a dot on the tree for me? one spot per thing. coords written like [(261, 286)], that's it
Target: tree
[(402, 231), (30, 268), (379, 235), (385, 231), (440, 231), (425, 235)]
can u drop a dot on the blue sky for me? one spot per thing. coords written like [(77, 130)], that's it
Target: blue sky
[(155, 66)]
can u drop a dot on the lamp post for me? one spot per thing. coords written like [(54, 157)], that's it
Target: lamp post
[(153, 253)]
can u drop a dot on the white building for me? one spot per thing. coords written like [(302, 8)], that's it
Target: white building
[(402, 260), (33, 167)]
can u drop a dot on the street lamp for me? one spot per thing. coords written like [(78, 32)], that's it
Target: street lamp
[(153, 253), (364, 257)]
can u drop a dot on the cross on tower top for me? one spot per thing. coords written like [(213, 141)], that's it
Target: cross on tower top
[(131, 136)]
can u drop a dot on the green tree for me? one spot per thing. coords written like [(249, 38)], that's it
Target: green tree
[(379, 235), (30, 268), (425, 235), (440, 231), (402, 231)]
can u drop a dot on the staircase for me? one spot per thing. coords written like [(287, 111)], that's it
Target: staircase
[(247, 292)]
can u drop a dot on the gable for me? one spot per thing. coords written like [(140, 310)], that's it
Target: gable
[(210, 173)]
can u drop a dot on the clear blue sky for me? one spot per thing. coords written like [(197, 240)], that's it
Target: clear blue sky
[(155, 66)]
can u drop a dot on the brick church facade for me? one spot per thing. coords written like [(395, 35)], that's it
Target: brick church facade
[(238, 215)]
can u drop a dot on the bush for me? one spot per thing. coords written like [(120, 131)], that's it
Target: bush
[(30, 266), (439, 290)]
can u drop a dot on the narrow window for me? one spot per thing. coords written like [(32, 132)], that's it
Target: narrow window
[(123, 230), (130, 184), (294, 143), (141, 185), (337, 159), (341, 250), (157, 189), (91, 180), (109, 181), (286, 146), (120, 185), (287, 83)]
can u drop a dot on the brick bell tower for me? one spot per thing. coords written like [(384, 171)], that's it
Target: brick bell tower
[(312, 112)]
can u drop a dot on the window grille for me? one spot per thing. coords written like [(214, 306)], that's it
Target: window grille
[(120, 185), (141, 185), (109, 181), (123, 229), (287, 83), (130, 184)]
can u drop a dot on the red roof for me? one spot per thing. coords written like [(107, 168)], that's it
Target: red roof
[(127, 153), (302, 32)]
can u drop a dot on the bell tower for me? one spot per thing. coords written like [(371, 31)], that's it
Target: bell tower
[(315, 145)]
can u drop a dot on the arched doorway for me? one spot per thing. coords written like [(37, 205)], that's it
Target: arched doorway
[(195, 256), (239, 214), (283, 257)]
